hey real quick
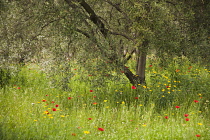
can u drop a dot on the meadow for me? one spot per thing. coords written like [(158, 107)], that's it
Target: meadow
[(173, 105)]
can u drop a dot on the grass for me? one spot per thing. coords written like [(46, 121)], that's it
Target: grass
[(32, 108)]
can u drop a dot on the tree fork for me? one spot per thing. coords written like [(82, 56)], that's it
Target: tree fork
[(96, 20)]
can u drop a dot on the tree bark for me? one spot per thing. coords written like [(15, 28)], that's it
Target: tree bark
[(141, 63), (141, 67)]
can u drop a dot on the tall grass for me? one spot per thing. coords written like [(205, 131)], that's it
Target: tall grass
[(173, 105)]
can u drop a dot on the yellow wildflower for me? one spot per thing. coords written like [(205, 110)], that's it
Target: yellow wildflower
[(87, 132)]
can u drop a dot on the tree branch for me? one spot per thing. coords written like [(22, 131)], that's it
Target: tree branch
[(121, 34), (116, 6)]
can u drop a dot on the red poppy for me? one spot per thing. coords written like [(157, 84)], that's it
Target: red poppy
[(166, 117), (167, 86), (133, 87), (75, 69), (100, 129), (186, 115), (53, 109), (198, 135), (46, 95), (18, 87), (91, 90), (136, 97), (196, 101), (53, 102), (73, 134), (187, 119), (94, 103), (69, 98), (44, 100), (89, 118), (56, 105), (150, 65), (177, 106)]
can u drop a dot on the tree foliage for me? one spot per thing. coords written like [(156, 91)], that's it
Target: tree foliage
[(53, 31)]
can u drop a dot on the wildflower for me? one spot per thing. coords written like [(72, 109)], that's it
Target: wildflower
[(46, 112), (94, 103), (100, 129), (105, 101), (186, 115), (133, 87), (53, 109), (90, 75), (196, 101), (69, 98), (177, 70), (190, 67), (73, 134), (46, 95), (44, 100), (187, 119), (89, 118), (53, 102), (91, 90), (86, 132), (198, 135), (35, 120), (18, 87), (167, 86), (123, 102), (177, 106), (136, 97), (166, 117), (200, 124), (75, 69), (150, 65), (56, 105), (122, 71)]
